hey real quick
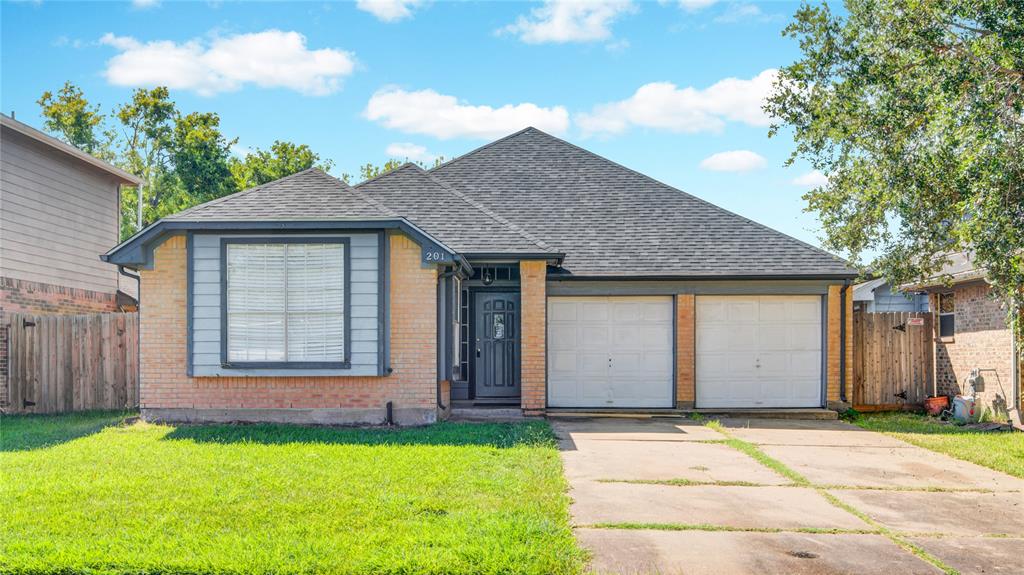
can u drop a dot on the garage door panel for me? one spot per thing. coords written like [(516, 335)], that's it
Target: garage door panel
[(764, 351), (622, 348)]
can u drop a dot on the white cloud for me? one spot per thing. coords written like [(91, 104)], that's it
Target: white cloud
[(144, 4), (442, 116), (389, 10), (694, 5), (734, 161), (269, 59), (665, 106), (812, 179), (408, 151), (561, 21)]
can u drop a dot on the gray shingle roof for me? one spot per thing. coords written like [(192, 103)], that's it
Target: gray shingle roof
[(307, 195), (533, 193), (612, 221), (448, 215)]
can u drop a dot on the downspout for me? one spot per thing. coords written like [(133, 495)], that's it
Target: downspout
[(1015, 360), (842, 340)]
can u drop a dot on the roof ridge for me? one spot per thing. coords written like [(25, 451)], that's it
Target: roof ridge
[(658, 182), (487, 211), (239, 194), (373, 201), (485, 146)]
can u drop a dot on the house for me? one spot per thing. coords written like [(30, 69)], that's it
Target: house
[(971, 335), (876, 296), (528, 272), (59, 207)]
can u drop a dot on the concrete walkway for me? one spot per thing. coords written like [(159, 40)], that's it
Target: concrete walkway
[(670, 495)]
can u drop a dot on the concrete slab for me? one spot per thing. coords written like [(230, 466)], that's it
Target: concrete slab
[(977, 556), (603, 459), (887, 467), (729, 553), (936, 512), (809, 433), (743, 507), (629, 429)]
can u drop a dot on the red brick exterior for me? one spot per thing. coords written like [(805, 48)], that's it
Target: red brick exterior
[(19, 296), (981, 340), (533, 293), (167, 392), (834, 360), (686, 375)]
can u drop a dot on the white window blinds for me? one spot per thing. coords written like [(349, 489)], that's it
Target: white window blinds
[(286, 302)]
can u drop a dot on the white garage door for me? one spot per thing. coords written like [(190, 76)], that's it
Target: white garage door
[(610, 352), (762, 351)]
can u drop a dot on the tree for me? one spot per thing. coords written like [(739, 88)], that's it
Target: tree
[(282, 159), (148, 123), (69, 114), (915, 112), (200, 157)]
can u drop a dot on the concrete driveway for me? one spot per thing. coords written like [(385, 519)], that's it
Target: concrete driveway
[(670, 495)]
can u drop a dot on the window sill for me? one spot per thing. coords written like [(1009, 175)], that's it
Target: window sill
[(296, 365)]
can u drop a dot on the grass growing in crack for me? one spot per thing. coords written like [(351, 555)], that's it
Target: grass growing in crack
[(727, 528), (782, 469)]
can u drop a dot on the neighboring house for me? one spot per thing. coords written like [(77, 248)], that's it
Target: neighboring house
[(528, 272), (971, 334), (59, 209), (876, 296)]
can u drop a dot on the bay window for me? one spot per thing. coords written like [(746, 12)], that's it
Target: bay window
[(285, 302)]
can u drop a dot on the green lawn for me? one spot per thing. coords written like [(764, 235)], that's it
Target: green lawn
[(1000, 451), (83, 493)]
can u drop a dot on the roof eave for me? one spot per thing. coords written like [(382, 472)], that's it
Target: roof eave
[(708, 277)]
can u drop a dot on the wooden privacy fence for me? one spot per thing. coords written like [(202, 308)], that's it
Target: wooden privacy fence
[(892, 360), (61, 363)]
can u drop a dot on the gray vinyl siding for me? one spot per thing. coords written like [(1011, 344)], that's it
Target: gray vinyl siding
[(885, 301), (364, 289), (57, 215)]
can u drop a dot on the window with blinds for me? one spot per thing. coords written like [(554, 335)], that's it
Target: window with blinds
[(285, 302)]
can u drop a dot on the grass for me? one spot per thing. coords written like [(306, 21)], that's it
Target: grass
[(1002, 451), (84, 494)]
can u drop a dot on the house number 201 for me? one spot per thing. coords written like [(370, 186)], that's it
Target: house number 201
[(435, 256)]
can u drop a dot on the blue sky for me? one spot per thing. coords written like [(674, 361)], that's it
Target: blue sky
[(669, 88)]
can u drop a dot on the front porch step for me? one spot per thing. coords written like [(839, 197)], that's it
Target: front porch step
[(491, 414), (806, 414)]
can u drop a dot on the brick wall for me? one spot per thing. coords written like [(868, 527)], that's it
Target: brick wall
[(166, 392), (981, 340), (686, 390), (833, 332), (20, 296), (533, 278)]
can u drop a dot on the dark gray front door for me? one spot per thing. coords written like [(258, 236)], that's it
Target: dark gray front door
[(497, 344)]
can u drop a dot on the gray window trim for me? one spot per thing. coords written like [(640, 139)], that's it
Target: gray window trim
[(345, 364)]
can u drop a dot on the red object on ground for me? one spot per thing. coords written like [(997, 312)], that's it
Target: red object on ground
[(935, 405)]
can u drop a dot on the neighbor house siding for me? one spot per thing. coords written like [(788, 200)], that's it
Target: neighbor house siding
[(981, 340), (363, 293), (168, 392), (57, 216)]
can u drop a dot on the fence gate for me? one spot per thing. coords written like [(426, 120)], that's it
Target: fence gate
[(61, 363), (892, 360)]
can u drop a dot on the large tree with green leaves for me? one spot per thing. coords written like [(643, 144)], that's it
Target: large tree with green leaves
[(914, 109), (69, 114), (282, 159)]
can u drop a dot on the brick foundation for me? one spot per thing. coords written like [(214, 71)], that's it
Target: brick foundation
[(981, 340), (20, 296), (167, 392)]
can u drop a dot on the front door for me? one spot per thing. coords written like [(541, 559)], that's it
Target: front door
[(496, 334)]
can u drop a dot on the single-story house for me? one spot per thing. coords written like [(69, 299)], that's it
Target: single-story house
[(971, 335), (877, 296), (528, 272)]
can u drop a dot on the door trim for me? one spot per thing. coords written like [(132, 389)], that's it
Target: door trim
[(675, 346), (471, 292)]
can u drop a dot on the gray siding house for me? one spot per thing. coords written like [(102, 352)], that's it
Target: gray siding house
[(877, 296)]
